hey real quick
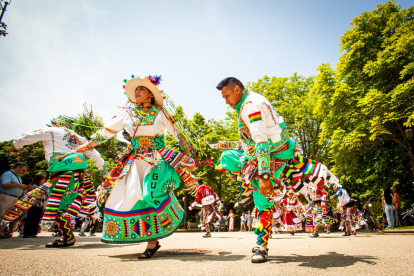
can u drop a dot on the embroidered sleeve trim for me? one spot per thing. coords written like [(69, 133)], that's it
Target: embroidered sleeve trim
[(98, 138), (104, 170), (263, 157)]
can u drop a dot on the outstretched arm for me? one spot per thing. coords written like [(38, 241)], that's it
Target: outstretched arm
[(109, 130), (29, 138), (198, 198)]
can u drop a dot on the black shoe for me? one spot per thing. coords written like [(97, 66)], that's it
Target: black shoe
[(61, 243), (346, 234), (149, 253), (244, 199), (207, 235)]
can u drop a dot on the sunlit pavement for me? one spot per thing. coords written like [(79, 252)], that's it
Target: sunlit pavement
[(222, 254)]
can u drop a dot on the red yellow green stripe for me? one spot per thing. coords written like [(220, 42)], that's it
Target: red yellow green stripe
[(257, 116)]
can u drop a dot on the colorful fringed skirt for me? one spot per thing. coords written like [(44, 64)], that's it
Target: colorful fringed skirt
[(289, 222), (142, 206)]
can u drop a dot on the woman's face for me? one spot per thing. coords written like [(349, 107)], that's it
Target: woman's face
[(142, 94), (290, 195)]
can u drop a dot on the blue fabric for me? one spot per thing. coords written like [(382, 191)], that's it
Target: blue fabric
[(389, 212), (9, 177), (338, 193)]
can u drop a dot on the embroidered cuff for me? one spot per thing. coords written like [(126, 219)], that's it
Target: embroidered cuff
[(104, 170), (263, 157), (98, 138)]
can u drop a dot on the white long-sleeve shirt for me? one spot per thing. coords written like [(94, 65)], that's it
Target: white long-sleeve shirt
[(56, 139), (261, 118)]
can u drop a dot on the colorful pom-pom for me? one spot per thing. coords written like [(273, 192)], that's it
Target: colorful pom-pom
[(125, 80), (132, 76), (123, 86)]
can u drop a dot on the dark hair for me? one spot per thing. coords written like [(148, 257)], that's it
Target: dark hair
[(153, 101), (200, 181), (39, 177), (229, 80), (20, 164), (387, 196)]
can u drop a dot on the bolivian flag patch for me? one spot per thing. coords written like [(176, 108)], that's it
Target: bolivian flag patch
[(254, 117)]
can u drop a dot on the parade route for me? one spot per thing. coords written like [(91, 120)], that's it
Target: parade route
[(222, 254)]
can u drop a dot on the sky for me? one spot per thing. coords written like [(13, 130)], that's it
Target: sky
[(61, 54)]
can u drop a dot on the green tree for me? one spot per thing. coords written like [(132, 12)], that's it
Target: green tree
[(376, 74)]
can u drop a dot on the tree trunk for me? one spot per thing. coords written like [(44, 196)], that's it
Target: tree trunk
[(411, 156)]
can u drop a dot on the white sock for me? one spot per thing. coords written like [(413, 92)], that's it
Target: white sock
[(263, 247)]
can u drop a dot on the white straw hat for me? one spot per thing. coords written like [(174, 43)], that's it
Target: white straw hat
[(149, 83)]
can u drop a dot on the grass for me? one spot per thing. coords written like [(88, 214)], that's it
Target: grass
[(402, 228)]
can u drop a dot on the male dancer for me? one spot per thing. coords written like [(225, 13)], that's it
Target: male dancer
[(70, 187), (345, 202), (267, 147), (208, 199)]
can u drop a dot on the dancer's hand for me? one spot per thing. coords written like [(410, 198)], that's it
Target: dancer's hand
[(82, 149), (190, 168), (85, 147), (266, 187)]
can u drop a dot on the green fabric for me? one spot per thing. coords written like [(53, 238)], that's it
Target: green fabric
[(155, 217), (260, 201), (240, 103), (156, 186), (232, 160), (145, 141), (72, 162)]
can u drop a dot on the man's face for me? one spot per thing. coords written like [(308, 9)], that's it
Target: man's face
[(21, 170), (335, 188), (232, 95)]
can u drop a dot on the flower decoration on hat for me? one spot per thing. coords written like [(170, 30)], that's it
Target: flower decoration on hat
[(155, 80)]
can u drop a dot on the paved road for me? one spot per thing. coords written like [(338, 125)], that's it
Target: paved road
[(223, 254)]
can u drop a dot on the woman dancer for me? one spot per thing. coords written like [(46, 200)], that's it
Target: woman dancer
[(291, 222), (141, 206)]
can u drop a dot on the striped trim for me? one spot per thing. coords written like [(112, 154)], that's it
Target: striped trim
[(138, 212), (254, 117)]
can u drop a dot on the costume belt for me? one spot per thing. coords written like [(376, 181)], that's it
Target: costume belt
[(148, 142)]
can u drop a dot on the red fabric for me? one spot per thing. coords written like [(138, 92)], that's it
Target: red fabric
[(204, 191)]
